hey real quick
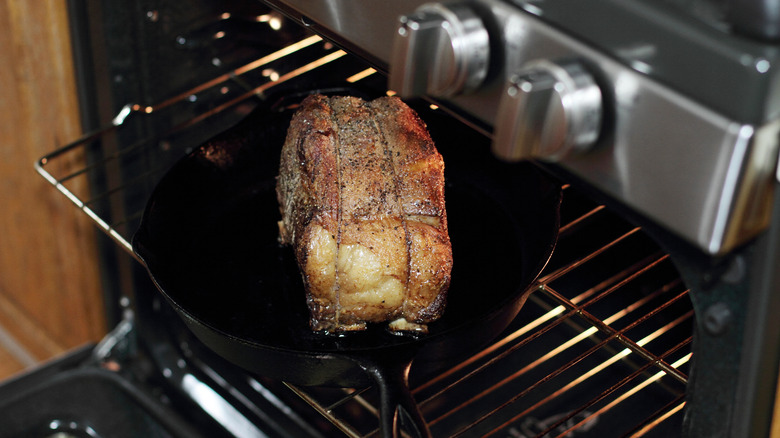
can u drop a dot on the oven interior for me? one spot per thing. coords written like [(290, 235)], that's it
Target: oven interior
[(602, 347)]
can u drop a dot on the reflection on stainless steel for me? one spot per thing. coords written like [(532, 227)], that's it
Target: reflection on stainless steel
[(548, 111), (362, 75), (71, 429), (441, 51), (222, 411)]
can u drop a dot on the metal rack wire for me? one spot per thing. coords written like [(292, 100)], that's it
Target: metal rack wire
[(601, 348), (605, 356), (71, 167)]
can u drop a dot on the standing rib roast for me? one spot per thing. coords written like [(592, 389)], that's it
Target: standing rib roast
[(361, 194)]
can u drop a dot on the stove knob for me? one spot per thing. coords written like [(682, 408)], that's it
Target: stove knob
[(547, 111), (440, 50)]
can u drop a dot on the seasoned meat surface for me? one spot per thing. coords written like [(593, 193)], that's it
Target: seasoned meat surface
[(361, 194)]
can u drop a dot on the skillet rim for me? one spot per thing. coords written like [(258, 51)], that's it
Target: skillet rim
[(148, 258)]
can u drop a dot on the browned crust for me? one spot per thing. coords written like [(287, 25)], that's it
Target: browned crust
[(365, 175), (419, 170), (308, 195), (307, 188)]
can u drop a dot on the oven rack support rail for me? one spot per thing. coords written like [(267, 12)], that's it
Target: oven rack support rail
[(575, 342), (559, 347)]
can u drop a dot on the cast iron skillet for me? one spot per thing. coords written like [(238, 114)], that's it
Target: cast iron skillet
[(208, 238)]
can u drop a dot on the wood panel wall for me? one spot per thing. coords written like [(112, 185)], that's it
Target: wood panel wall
[(50, 297)]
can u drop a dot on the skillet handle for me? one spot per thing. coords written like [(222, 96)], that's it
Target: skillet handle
[(390, 371)]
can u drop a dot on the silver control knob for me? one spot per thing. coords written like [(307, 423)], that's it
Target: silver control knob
[(547, 111), (439, 50)]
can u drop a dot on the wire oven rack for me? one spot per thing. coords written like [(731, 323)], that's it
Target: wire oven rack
[(601, 348)]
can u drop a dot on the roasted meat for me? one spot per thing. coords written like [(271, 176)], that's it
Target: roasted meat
[(361, 195)]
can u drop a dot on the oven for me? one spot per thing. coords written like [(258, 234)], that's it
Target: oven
[(655, 121)]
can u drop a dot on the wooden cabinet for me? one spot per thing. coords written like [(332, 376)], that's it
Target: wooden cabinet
[(50, 294)]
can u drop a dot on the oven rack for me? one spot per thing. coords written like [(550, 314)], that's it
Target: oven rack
[(605, 334), (72, 168), (609, 359)]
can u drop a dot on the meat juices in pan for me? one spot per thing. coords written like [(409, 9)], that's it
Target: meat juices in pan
[(361, 194)]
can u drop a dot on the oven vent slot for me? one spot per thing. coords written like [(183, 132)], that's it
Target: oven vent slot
[(601, 347)]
